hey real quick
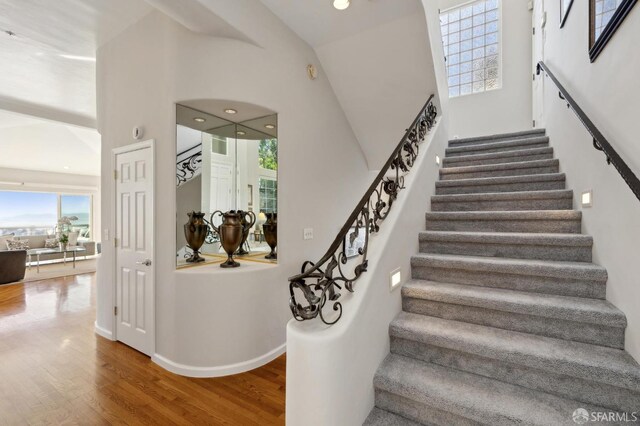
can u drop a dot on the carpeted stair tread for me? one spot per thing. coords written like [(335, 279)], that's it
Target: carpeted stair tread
[(597, 363), (546, 268), (499, 146), (496, 137), (379, 417), (593, 311), (452, 171), (468, 395), (499, 157), (498, 180)]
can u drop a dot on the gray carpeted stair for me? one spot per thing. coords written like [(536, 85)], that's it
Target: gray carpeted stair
[(505, 319)]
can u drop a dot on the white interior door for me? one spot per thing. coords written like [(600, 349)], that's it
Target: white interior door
[(135, 299), (221, 183), (538, 39)]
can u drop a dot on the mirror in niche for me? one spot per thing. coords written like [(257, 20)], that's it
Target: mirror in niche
[(605, 16), (221, 166)]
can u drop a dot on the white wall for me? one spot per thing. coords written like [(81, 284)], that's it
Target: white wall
[(212, 321), (509, 108), (382, 77), (334, 365), (608, 92)]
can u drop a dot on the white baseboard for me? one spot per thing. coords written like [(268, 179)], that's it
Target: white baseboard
[(224, 370), (102, 331)]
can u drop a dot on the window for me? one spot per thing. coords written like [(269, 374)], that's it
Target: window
[(471, 40), (37, 213), (268, 154), (28, 213), (78, 206), (268, 195)]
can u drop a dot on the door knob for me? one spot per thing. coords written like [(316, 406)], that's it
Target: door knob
[(146, 262)]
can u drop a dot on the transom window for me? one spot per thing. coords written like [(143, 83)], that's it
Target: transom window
[(604, 12), (471, 40)]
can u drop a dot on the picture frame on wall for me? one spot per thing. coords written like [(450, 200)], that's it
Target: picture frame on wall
[(354, 241), (565, 8), (605, 17)]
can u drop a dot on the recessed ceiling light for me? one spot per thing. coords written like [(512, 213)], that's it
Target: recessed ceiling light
[(230, 111), (341, 4), (240, 133), (269, 126), (79, 58), (199, 119), (66, 167)]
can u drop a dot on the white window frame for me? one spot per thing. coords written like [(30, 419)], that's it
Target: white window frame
[(500, 49)]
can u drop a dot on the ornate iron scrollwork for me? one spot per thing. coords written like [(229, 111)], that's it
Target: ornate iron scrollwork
[(189, 164), (321, 282)]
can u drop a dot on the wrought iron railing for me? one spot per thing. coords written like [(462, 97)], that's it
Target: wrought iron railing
[(188, 164), (599, 141), (321, 282)]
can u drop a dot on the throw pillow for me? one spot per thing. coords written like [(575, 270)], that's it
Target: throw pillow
[(73, 238), (18, 244), (51, 243)]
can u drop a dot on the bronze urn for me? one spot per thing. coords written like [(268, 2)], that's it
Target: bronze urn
[(248, 220), (195, 231), (230, 232), (270, 230)]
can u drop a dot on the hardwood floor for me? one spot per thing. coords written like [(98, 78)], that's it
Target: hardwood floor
[(55, 370)]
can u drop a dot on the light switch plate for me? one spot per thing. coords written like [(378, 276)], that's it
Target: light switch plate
[(308, 234)]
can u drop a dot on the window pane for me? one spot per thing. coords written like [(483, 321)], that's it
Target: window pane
[(28, 213), (268, 195), (472, 47), (77, 208)]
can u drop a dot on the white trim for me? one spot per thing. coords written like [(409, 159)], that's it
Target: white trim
[(149, 143), (100, 331), (223, 370)]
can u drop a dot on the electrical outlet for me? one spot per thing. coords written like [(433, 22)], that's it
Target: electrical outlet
[(308, 233)]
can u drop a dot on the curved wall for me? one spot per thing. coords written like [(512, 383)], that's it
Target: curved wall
[(210, 321)]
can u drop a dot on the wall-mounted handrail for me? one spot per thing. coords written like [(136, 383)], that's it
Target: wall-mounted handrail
[(327, 274), (599, 141)]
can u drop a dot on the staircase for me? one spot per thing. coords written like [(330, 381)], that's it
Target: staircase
[(505, 320)]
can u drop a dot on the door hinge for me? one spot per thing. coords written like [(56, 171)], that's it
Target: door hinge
[(534, 30), (534, 76), (115, 242), (534, 123), (115, 310), (115, 175)]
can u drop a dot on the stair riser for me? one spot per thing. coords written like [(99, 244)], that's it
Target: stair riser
[(570, 387), (531, 226), (493, 139), (480, 149), (503, 205), (451, 161), (500, 172), (552, 327), (514, 251), (418, 411), (531, 283), (506, 187)]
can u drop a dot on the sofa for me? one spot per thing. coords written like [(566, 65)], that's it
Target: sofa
[(12, 265), (38, 241)]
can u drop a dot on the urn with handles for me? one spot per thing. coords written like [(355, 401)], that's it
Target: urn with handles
[(195, 232), (230, 232), (270, 229)]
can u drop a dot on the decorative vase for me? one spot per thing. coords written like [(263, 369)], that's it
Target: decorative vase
[(230, 232), (195, 231), (270, 229), (63, 246), (246, 227)]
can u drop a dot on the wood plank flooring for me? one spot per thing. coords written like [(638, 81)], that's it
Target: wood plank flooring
[(54, 370)]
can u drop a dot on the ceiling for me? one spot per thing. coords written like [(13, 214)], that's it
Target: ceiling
[(35, 144), (318, 22), (34, 72)]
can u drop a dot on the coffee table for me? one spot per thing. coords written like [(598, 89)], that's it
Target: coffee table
[(40, 251)]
